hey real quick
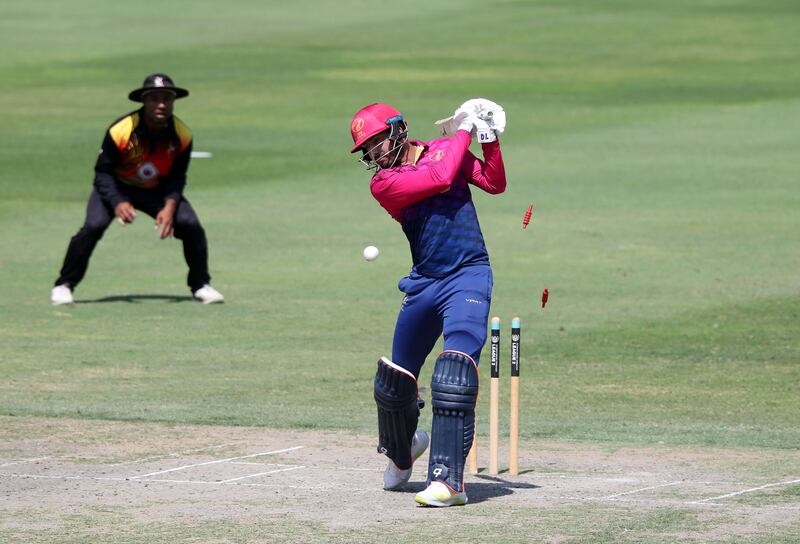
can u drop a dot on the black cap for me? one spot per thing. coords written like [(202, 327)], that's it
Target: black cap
[(157, 82)]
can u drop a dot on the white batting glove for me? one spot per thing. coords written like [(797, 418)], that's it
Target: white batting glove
[(484, 132), (464, 121), (458, 121), (488, 111), (481, 129)]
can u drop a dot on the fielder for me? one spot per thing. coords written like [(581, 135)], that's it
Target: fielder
[(425, 186), (142, 166)]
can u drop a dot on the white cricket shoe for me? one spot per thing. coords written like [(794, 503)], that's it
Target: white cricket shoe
[(394, 477), (61, 294), (438, 494), (208, 295)]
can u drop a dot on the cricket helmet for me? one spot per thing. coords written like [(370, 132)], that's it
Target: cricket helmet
[(157, 82), (374, 119)]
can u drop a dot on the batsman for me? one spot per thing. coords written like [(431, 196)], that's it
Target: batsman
[(425, 186)]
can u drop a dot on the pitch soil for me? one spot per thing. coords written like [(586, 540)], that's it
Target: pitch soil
[(77, 480)]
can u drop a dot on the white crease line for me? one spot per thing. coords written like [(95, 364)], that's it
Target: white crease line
[(154, 480), (202, 482), (21, 461), (640, 490), (54, 477), (260, 464), (759, 488), (362, 491), (260, 474), (214, 462), (172, 454)]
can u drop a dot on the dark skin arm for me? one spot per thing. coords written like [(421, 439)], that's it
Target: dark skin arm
[(125, 212), (165, 218)]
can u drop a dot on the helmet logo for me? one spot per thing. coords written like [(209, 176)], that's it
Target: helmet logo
[(357, 127)]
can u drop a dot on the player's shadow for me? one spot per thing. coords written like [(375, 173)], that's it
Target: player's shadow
[(136, 299), (493, 486), (489, 487)]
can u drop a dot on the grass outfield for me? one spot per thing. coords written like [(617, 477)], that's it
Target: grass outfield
[(657, 147), (657, 141)]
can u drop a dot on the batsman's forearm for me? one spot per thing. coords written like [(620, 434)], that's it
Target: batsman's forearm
[(494, 170)]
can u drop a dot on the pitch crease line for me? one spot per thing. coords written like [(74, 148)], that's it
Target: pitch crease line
[(260, 474), (235, 484), (192, 482), (759, 488), (640, 490), (184, 467), (171, 454), (248, 463), (21, 461)]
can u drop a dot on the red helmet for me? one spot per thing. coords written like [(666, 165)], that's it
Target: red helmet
[(372, 120)]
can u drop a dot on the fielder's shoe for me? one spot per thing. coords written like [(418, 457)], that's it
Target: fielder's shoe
[(438, 494), (61, 294), (394, 477), (208, 295)]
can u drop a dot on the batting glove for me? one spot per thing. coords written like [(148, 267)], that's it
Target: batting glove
[(459, 121), (483, 132), (488, 111)]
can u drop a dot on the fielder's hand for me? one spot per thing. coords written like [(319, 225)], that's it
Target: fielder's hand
[(125, 212), (165, 218)]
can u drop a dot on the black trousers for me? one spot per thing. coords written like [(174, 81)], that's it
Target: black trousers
[(99, 215)]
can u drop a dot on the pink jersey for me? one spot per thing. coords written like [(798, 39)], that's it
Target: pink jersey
[(444, 163)]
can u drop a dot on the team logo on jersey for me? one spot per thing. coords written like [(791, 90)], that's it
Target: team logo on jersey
[(436, 155), (147, 171)]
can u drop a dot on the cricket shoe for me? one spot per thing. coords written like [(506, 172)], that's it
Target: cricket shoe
[(61, 294), (438, 494), (208, 295), (394, 477)]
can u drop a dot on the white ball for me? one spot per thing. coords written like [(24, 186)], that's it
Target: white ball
[(371, 253)]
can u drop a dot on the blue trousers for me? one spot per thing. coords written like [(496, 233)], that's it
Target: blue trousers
[(457, 305)]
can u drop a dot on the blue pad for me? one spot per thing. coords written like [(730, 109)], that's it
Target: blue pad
[(454, 392), (398, 412)]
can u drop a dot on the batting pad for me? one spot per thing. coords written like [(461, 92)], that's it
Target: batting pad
[(454, 392), (398, 412)]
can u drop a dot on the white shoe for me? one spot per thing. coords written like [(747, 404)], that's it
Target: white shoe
[(395, 477), (61, 294), (438, 494), (208, 295)]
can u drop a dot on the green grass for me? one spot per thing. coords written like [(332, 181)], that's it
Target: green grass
[(657, 141), (657, 146)]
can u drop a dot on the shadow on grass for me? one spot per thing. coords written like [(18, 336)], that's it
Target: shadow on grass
[(137, 298), (490, 487)]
